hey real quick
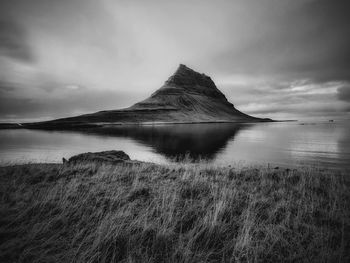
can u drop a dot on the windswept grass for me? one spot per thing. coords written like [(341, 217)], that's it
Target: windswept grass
[(173, 213)]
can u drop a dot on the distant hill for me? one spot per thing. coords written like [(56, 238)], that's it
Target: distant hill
[(186, 97)]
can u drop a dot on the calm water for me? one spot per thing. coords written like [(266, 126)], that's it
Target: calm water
[(286, 144)]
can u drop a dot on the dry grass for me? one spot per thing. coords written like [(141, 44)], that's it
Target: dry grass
[(173, 213)]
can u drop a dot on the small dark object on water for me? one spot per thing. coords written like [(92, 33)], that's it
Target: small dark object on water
[(331, 120), (276, 168)]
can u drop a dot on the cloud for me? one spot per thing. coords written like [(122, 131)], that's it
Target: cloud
[(306, 39), (14, 42), (344, 93), (15, 102), (284, 99), (5, 87)]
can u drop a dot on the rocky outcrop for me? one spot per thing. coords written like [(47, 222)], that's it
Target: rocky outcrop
[(109, 157)]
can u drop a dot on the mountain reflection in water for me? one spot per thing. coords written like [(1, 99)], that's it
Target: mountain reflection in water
[(196, 141)]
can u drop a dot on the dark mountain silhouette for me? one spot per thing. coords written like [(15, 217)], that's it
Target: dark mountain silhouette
[(186, 97)]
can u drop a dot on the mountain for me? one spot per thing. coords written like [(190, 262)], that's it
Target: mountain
[(186, 97)]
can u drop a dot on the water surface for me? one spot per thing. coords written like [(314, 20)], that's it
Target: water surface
[(324, 144)]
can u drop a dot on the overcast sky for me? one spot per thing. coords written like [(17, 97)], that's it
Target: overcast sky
[(271, 58)]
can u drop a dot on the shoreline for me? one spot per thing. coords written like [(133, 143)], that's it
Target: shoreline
[(78, 126)]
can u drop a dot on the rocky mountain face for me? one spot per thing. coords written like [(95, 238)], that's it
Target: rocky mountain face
[(180, 87), (186, 97), (194, 97)]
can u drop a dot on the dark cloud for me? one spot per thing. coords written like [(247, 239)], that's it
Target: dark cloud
[(310, 41), (74, 100), (14, 42), (5, 87), (344, 93)]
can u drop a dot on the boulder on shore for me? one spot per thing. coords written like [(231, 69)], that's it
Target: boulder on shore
[(111, 157)]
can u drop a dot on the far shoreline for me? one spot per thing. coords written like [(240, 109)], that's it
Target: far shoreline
[(79, 126)]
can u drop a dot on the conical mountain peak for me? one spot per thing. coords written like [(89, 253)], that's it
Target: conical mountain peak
[(187, 82), (185, 76)]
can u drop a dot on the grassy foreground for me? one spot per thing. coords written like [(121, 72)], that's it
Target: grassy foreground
[(173, 213)]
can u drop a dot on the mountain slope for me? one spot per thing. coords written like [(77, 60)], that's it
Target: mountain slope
[(187, 96)]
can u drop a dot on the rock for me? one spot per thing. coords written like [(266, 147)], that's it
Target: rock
[(111, 157)]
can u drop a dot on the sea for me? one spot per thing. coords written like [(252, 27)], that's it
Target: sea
[(279, 144)]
